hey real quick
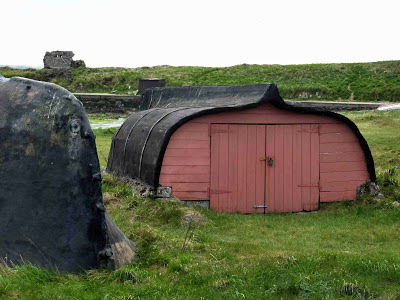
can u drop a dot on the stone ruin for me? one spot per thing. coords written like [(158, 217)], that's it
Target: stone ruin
[(61, 62)]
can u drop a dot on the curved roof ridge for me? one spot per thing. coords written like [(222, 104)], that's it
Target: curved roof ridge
[(205, 95)]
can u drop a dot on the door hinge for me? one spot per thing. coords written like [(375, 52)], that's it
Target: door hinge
[(259, 206)]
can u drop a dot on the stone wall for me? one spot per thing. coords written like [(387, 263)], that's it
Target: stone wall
[(95, 103)]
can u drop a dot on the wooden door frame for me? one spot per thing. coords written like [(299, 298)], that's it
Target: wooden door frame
[(300, 191)]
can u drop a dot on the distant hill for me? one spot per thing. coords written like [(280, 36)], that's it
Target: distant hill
[(375, 81), (22, 67)]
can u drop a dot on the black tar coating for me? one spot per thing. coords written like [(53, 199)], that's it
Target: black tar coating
[(138, 147), (51, 204)]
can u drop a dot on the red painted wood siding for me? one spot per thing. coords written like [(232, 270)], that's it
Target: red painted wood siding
[(186, 164), (342, 163)]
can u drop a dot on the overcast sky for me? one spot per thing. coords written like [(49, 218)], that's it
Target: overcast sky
[(200, 33)]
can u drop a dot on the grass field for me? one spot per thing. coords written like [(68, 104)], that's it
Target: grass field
[(346, 250), (355, 82)]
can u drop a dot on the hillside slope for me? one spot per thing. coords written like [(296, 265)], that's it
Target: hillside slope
[(376, 81)]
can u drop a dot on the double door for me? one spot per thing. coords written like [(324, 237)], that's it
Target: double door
[(264, 168)]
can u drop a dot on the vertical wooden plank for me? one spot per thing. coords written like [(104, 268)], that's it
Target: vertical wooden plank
[(214, 182), (260, 167), (270, 171), (297, 206), (287, 167), (233, 168), (251, 167), (223, 168), (314, 172), (279, 172), (305, 166), (242, 168)]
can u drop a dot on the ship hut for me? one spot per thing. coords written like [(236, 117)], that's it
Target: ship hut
[(241, 149)]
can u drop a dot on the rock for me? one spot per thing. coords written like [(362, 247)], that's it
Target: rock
[(192, 217), (164, 192), (119, 104), (78, 64), (145, 191), (396, 203), (141, 189), (368, 188), (51, 203)]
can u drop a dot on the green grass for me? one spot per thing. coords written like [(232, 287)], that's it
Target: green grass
[(103, 143), (356, 81), (381, 130), (346, 250)]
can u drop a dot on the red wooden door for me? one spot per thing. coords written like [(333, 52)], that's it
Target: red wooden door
[(264, 165)]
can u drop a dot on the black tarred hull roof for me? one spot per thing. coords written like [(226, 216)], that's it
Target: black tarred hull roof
[(138, 147)]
